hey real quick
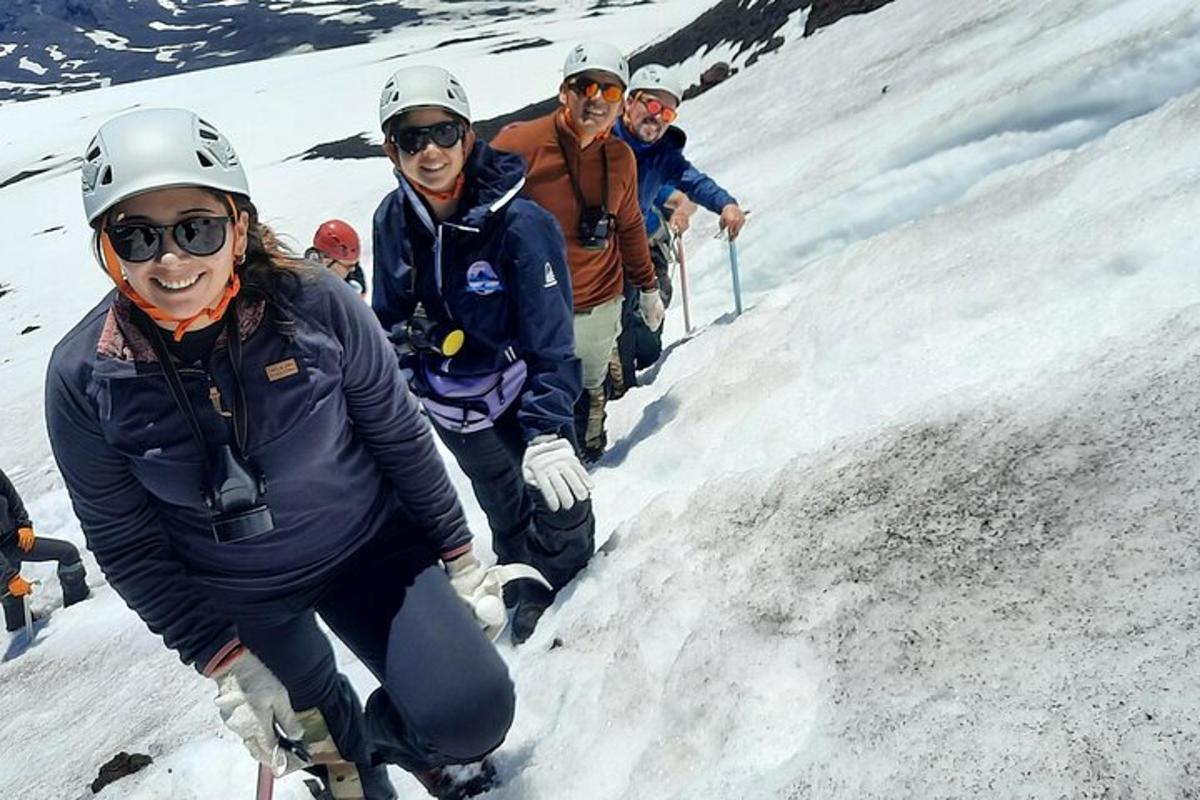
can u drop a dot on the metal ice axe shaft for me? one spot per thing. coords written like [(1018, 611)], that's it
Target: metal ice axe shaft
[(265, 789), (28, 617), (737, 276), (683, 285)]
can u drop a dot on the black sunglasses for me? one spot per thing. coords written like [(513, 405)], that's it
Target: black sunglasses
[(143, 241), (413, 140)]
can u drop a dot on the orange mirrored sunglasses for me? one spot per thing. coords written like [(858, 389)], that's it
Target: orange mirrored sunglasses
[(657, 108), (586, 87)]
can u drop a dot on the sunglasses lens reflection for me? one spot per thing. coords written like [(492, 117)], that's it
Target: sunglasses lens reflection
[(137, 242)]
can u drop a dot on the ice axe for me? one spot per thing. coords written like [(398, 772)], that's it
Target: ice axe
[(26, 608), (683, 284), (735, 272), (28, 617), (315, 746), (265, 789), (487, 600)]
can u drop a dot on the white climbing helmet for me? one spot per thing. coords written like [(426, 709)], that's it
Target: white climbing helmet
[(657, 78), (598, 56), (422, 87), (156, 148)]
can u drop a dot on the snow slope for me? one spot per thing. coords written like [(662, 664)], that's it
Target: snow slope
[(921, 523)]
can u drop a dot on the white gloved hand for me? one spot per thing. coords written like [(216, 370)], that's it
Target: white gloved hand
[(483, 589), (252, 702), (484, 597), (551, 465), (650, 306)]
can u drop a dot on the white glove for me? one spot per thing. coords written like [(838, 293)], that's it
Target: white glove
[(650, 306), (551, 465), (483, 589), (252, 702), (469, 579)]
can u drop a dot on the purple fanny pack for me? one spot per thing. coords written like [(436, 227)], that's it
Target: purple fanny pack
[(468, 404)]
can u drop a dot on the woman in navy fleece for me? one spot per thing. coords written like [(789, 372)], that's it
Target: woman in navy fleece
[(243, 454)]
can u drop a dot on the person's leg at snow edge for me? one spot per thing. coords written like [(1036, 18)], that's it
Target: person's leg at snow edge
[(558, 543), (72, 576), (445, 696), (596, 331), (638, 347)]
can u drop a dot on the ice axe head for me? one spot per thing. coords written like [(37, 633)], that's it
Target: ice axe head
[(488, 597)]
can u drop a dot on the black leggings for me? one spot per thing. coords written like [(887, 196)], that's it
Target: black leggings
[(445, 697), (559, 543), (638, 346)]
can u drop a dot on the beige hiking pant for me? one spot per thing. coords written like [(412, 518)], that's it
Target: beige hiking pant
[(596, 332)]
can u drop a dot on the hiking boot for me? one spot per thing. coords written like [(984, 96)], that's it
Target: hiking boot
[(616, 376), (595, 438), (73, 580), (594, 451), (535, 599), (14, 615), (457, 782)]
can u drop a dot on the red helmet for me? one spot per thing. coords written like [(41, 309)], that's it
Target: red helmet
[(337, 240)]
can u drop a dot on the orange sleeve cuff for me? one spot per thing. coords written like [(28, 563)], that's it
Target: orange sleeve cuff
[(228, 652), (450, 555)]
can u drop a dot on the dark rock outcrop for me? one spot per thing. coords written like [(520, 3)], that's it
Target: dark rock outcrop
[(118, 767), (826, 12), (753, 27)]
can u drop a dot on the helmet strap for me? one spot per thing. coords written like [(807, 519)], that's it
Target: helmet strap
[(441, 197)]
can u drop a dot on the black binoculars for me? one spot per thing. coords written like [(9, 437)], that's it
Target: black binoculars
[(595, 226), (235, 499)]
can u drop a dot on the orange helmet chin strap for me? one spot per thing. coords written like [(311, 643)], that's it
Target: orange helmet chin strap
[(454, 193), (112, 265)]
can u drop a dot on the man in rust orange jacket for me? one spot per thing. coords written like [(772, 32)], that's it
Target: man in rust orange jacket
[(588, 180)]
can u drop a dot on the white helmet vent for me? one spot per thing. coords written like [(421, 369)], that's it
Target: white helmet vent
[(600, 56), (421, 86), (153, 149)]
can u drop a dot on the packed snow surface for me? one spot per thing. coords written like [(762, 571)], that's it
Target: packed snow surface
[(921, 523)]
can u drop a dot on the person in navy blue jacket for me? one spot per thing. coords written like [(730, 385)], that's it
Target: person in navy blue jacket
[(650, 108), (243, 454), (472, 285)]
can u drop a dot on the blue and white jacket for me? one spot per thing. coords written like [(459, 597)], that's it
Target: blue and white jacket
[(497, 270)]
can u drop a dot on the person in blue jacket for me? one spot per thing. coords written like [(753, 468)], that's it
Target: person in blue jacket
[(651, 106), (472, 285), (242, 455)]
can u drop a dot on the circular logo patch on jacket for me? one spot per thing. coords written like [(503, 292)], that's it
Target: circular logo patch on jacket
[(482, 279)]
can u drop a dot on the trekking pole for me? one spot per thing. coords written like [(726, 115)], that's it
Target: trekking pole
[(28, 618), (683, 285), (737, 277)]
